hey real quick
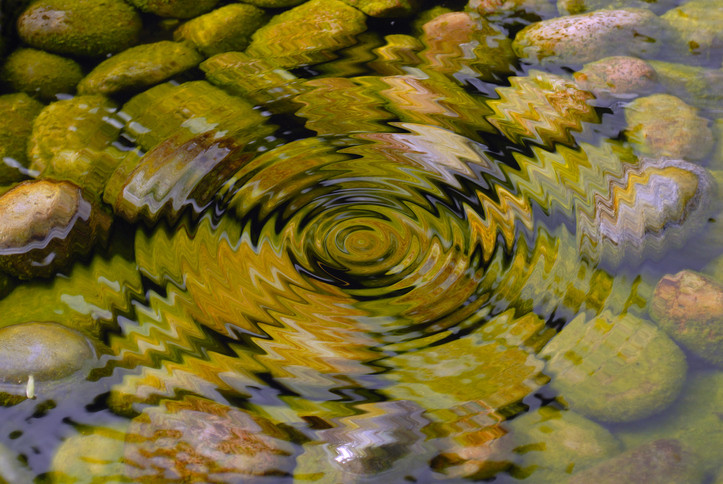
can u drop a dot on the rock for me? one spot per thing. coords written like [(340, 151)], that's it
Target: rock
[(45, 225), (615, 369), (71, 125), (664, 461), (17, 113), (47, 351), (198, 440), (694, 420), (617, 76), (385, 8), (93, 454), (698, 86), (456, 41), (663, 125), (572, 7), (228, 28), (140, 66), (274, 3), (187, 110), (174, 8), (697, 25), (536, 9), (78, 27), (308, 34), (40, 74), (578, 39), (689, 307), (554, 443)]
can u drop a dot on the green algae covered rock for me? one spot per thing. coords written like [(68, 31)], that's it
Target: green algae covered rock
[(79, 27), (572, 7), (663, 125), (694, 420), (615, 369), (698, 86), (140, 66), (92, 455), (40, 74), (70, 125), (45, 225), (225, 29), (553, 443), (308, 34), (664, 461), (577, 39), (698, 26), (17, 112), (689, 307), (618, 76), (187, 110), (385, 8), (174, 8)]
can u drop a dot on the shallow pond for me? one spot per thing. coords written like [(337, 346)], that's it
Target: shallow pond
[(361, 242)]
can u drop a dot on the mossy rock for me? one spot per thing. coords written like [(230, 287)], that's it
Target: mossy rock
[(94, 454), (40, 74), (615, 369), (697, 24), (225, 29), (385, 8), (70, 125), (140, 66), (308, 34), (618, 76), (17, 112), (174, 8), (79, 27), (698, 86), (552, 443)]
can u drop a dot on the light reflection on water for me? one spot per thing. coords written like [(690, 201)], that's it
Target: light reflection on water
[(367, 282)]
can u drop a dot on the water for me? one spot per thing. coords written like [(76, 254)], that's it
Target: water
[(397, 264)]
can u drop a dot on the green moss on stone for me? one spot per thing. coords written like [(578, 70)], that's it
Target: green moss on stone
[(175, 8), (17, 112), (40, 73)]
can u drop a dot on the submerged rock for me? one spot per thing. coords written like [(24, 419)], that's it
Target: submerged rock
[(664, 461), (308, 34), (140, 66), (195, 440), (225, 29), (619, 76), (697, 24), (698, 86), (577, 39), (689, 307), (615, 369), (554, 443), (663, 125), (45, 225), (78, 27), (17, 113), (93, 454), (385, 8), (41, 74)]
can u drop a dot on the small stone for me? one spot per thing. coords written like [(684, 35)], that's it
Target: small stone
[(79, 27), (175, 8), (308, 34), (663, 125), (664, 461), (140, 66), (70, 125), (17, 113), (553, 443), (689, 307), (577, 39), (198, 440), (40, 74), (44, 225), (94, 454), (615, 369), (47, 351), (618, 76), (225, 29), (698, 86)]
